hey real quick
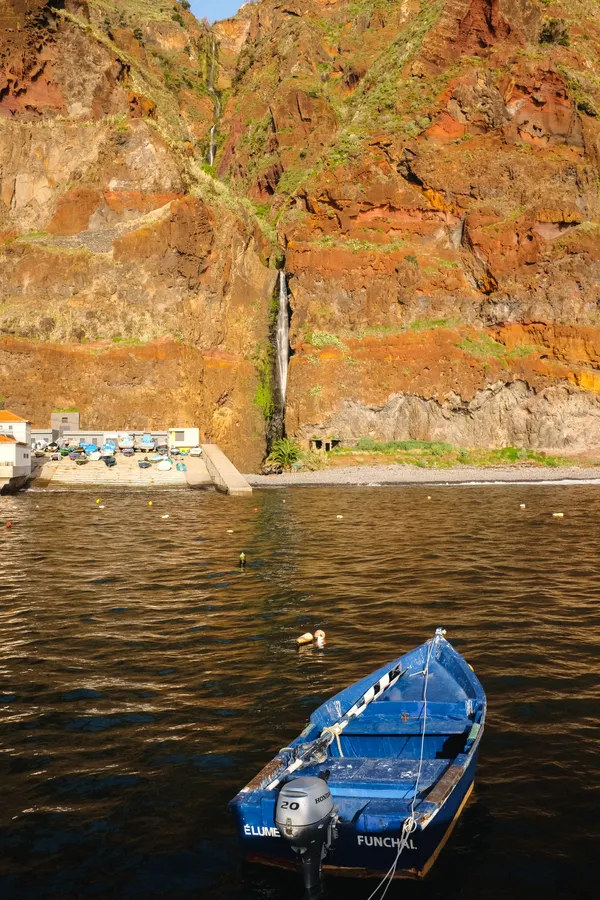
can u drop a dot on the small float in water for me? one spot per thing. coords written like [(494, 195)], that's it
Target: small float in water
[(376, 781)]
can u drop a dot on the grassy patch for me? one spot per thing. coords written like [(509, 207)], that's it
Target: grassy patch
[(483, 347), (127, 341), (320, 339), (427, 324), (436, 448), (439, 454), (264, 394)]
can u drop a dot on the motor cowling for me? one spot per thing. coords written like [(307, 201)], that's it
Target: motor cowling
[(304, 816)]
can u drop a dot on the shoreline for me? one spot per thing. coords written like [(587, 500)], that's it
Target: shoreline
[(393, 474)]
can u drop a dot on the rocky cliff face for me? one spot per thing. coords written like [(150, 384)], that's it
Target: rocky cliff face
[(429, 171), (132, 286), (433, 170)]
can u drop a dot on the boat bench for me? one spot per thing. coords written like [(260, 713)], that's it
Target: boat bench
[(361, 776), (390, 722)]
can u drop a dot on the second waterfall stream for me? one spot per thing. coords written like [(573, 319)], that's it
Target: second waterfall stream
[(282, 341), (212, 147)]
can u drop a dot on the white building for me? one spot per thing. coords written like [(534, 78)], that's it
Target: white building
[(184, 438), (15, 446)]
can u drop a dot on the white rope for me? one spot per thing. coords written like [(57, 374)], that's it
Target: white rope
[(426, 674), (334, 731), (410, 825)]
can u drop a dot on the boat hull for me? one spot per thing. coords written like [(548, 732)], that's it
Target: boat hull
[(366, 846)]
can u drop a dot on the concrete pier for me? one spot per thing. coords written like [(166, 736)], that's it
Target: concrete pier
[(224, 474), (126, 474), (212, 469)]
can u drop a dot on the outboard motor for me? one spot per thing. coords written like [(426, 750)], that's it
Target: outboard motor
[(305, 816)]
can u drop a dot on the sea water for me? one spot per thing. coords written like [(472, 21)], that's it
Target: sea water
[(145, 677)]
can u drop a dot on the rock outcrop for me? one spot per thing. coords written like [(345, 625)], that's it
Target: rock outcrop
[(428, 170), (132, 286), (433, 169)]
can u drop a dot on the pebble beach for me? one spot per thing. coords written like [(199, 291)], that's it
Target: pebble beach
[(405, 474)]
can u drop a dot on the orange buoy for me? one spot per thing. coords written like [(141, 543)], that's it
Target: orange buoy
[(9, 524)]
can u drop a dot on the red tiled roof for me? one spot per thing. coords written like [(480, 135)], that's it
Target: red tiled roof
[(7, 416), (9, 439)]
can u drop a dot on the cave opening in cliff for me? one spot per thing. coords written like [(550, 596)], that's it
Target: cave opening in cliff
[(324, 444)]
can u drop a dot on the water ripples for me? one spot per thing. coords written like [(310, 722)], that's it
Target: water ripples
[(145, 677)]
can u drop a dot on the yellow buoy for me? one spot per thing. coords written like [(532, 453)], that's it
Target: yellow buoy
[(522, 505), (304, 639), (429, 498), (97, 501), (340, 517), (149, 502), (230, 531), (558, 515)]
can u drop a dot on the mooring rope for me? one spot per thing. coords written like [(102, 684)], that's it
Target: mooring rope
[(410, 825)]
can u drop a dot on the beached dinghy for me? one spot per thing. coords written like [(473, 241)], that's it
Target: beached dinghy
[(147, 444), (377, 779), (108, 449), (125, 441)]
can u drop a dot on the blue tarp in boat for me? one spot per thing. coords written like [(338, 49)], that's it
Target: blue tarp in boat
[(397, 751)]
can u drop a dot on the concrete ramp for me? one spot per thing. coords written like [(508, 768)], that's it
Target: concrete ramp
[(224, 474)]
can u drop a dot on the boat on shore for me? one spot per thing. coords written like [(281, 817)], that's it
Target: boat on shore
[(109, 448), (147, 444), (378, 778), (125, 441)]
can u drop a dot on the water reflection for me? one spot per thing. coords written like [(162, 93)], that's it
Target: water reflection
[(145, 677)]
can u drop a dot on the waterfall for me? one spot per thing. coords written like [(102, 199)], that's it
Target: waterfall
[(212, 144), (282, 338)]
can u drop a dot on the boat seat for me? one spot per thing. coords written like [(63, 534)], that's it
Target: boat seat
[(390, 722), (363, 776)]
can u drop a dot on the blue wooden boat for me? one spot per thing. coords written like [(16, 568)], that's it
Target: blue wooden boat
[(147, 444), (109, 448), (376, 781)]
